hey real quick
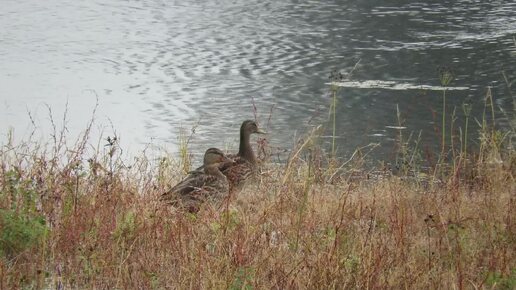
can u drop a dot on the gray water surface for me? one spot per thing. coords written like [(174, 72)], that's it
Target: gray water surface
[(155, 66)]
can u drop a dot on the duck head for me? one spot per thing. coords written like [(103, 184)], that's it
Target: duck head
[(214, 157), (250, 127), (245, 150)]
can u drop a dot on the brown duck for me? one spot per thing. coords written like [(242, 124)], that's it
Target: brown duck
[(245, 161), (201, 185)]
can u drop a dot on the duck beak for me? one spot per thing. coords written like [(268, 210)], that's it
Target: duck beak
[(259, 131), (228, 160)]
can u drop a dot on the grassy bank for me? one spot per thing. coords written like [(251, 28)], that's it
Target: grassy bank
[(90, 220), (83, 216)]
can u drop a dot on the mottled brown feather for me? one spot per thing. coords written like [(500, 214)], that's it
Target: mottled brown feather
[(199, 186), (245, 162)]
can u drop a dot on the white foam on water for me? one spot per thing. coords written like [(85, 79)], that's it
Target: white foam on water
[(391, 85)]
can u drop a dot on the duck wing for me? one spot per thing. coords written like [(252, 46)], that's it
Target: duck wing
[(238, 172), (186, 186), (196, 189)]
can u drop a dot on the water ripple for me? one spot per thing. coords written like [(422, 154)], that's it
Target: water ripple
[(174, 63)]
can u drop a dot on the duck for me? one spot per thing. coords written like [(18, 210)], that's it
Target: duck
[(210, 184), (245, 162)]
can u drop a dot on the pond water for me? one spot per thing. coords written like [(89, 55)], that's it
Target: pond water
[(154, 67)]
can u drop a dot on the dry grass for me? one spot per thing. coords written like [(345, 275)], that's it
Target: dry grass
[(88, 220)]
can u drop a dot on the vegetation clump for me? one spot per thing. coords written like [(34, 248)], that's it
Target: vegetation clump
[(85, 218)]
